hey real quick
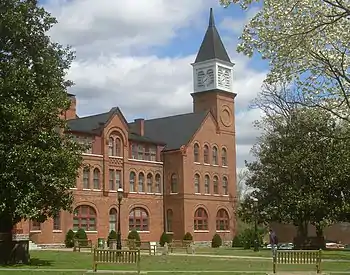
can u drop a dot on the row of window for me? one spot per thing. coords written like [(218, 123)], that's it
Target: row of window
[(207, 186), (85, 217), (206, 155)]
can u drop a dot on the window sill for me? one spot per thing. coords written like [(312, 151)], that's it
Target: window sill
[(92, 155), (88, 232), (73, 188), (198, 163), (223, 231), (87, 189), (224, 166), (113, 191), (141, 192), (57, 231), (215, 165), (207, 164), (217, 195), (207, 194), (116, 157), (142, 231), (201, 231), (225, 195), (172, 193), (147, 161), (132, 192), (197, 193), (96, 190), (35, 231)]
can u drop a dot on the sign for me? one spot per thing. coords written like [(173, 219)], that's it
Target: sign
[(20, 237)]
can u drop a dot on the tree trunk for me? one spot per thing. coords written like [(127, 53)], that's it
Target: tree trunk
[(319, 231), (6, 244)]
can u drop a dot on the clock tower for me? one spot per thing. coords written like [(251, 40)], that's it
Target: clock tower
[(213, 79)]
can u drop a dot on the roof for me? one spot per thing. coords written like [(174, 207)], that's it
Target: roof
[(212, 46), (174, 131)]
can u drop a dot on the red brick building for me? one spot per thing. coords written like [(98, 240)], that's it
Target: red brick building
[(178, 173)]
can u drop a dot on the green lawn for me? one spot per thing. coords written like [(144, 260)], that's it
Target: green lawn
[(83, 261)]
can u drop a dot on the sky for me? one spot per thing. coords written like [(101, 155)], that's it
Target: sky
[(137, 55)]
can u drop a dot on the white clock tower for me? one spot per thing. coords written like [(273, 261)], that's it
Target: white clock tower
[(212, 69)]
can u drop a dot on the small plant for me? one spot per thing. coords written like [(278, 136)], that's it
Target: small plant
[(164, 238), (216, 241), (69, 240), (134, 235), (188, 237), (112, 236), (81, 235), (237, 241)]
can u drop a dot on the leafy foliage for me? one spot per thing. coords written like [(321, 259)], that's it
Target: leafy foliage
[(112, 236), (246, 238), (300, 173), (134, 235), (307, 44), (164, 238), (188, 237), (216, 241), (81, 235), (38, 163), (69, 240)]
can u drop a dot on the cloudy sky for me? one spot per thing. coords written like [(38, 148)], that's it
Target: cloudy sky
[(137, 54)]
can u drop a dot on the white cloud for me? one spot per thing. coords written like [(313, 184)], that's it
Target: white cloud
[(112, 39)]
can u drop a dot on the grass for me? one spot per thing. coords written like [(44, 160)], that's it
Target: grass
[(82, 261)]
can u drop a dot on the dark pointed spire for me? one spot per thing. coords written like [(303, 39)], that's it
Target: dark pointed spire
[(212, 46)]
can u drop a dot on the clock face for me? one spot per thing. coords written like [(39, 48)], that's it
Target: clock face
[(224, 77), (205, 77)]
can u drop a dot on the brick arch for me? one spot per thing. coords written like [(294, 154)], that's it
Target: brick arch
[(119, 131), (225, 208), (93, 205), (200, 205), (224, 221), (140, 205), (98, 166), (144, 226), (201, 222)]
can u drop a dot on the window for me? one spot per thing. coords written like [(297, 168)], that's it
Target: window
[(132, 182), (169, 220), (35, 225), (224, 157), (215, 185), (86, 178), (206, 154), (140, 151), (206, 184), (111, 146), (200, 219), (215, 155), (113, 219), (222, 220), (138, 219), (97, 179), (134, 151), (153, 152), (196, 152), (84, 217), (118, 182), (224, 186), (111, 179), (57, 222), (141, 182), (147, 154), (173, 187), (197, 188), (158, 184), (149, 183), (118, 147)]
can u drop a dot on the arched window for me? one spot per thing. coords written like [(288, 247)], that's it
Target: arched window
[(57, 222), (173, 183), (138, 219), (113, 219), (224, 157), (34, 225), (169, 220), (206, 185), (111, 146), (215, 185), (197, 188), (118, 147), (141, 182), (200, 219), (224, 186), (86, 178), (132, 182), (215, 155), (158, 184), (97, 179), (206, 154), (84, 216), (196, 152), (222, 220), (149, 183)]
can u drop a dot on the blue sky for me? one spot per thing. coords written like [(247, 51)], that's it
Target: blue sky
[(137, 54)]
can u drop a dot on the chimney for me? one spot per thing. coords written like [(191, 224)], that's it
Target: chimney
[(140, 126)]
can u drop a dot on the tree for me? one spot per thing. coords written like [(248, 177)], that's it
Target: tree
[(299, 175), (307, 45), (39, 163)]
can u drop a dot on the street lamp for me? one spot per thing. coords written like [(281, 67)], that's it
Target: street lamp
[(120, 197), (256, 241)]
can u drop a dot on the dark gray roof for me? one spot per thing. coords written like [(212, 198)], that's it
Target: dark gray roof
[(212, 46), (89, 124), (174, 131)]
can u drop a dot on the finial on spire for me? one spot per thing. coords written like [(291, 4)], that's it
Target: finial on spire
[(211, 18)]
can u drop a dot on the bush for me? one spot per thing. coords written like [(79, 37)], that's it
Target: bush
[(216, 241), (69, 240), (237, 241), (164, 238), (134, 235), (112, 236), (247, 237), (81, 235), (188, 237)]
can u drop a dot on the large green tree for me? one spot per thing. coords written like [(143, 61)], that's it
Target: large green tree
[(307, 44), (38, 163), (300, 174)]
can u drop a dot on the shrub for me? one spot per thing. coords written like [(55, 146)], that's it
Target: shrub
[(248, 237), (112, 236), (69, 240), (188, 237), (134, 235), (216, 241), (164, 238), (237, 241), (81, 235)]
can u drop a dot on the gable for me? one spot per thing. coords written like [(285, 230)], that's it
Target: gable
[(208, 127)]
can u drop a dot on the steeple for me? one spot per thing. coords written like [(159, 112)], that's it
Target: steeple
[(212, 46)]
